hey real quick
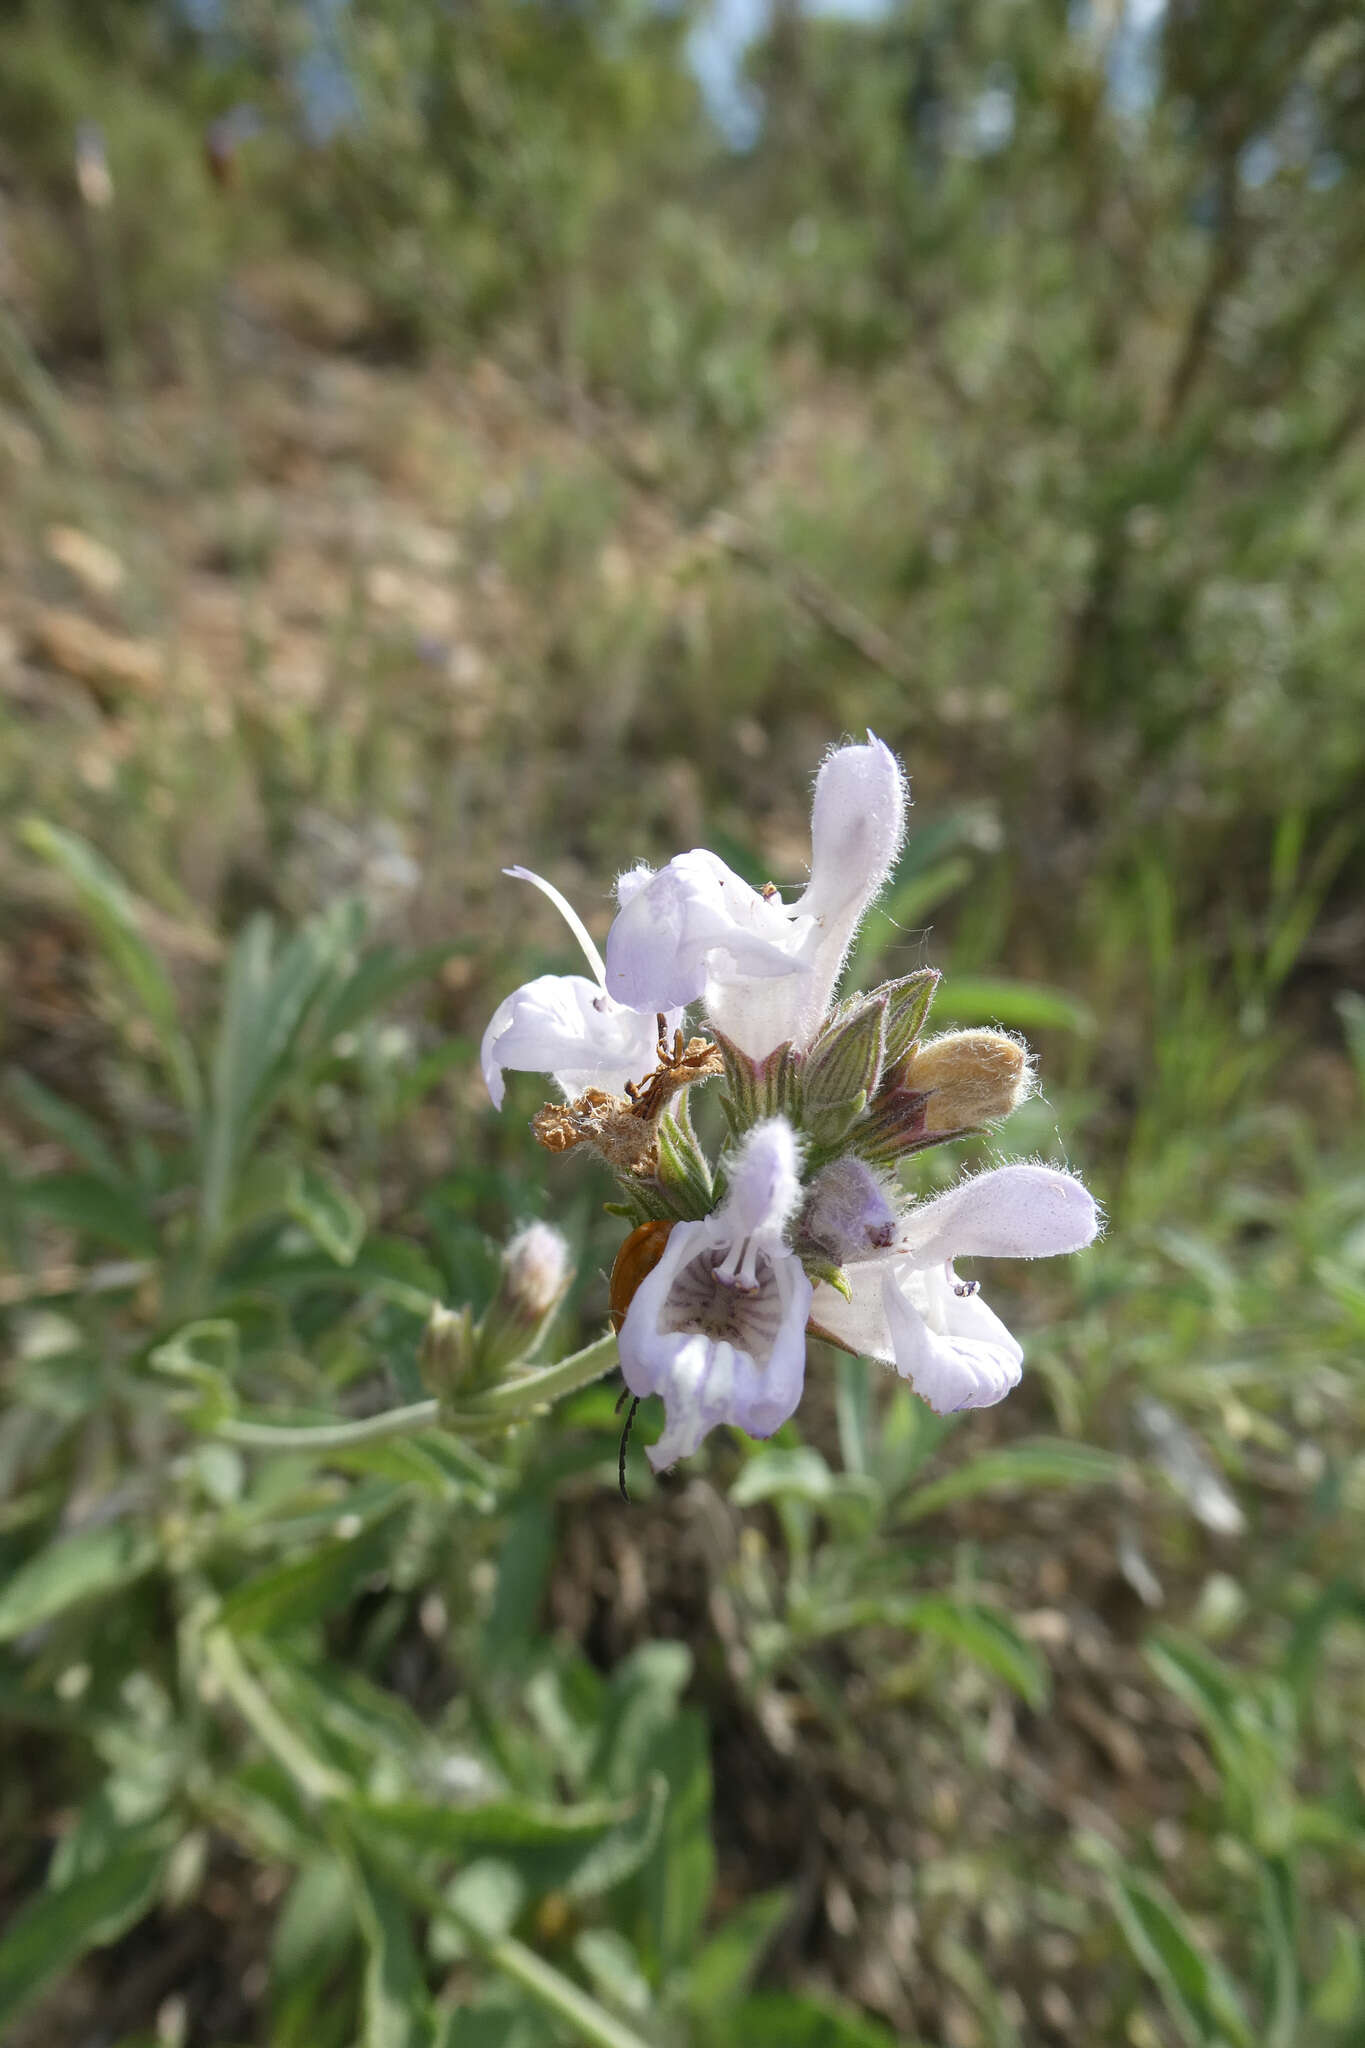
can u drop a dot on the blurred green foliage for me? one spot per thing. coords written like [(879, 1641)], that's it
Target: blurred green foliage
[(507, 469)]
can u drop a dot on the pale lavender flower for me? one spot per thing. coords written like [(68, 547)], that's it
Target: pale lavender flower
[(568, 1026), (766, 971), (718, 1328), (910, 1309)]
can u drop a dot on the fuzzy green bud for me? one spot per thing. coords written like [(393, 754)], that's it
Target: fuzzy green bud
[(445, 1355), (536, 1271)]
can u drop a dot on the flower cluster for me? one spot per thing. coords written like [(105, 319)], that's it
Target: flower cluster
[(802, 1224)]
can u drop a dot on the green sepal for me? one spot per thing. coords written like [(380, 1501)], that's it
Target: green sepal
[(684, 1172), (645, 1202), (828, 1128), (907, 1007), (817, 1269), (881, 1143), (845, 1061), (761, 1088)]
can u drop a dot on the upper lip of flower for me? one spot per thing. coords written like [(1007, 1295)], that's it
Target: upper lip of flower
[(767, 970)]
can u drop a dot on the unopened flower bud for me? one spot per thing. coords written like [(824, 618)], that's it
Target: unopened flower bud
[(535, 1268), (446, 1353), (848, 1213), (536, 1271), (969, 1078)]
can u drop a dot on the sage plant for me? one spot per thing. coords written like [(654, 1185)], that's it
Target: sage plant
[(801, 1225)]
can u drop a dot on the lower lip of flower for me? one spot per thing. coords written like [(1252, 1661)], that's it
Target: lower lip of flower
[(703, 1303)]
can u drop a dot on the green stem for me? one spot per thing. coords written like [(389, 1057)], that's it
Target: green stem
[(331, 1436), (557, 1993), (503, 1952), (313, 1777), (510, 1402), (324, 1786), (515, 1398)]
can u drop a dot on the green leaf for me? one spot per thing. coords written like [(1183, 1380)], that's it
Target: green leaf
[(722, 1969), (1017, 1468), (315, 1925), (498, 1824), (328, 1212), (523, 1568), (802, 1473), (613, 1969), (982, 1632), (779, 2019), (1339, 1996), (987, 1635), (579, 1852), (1197, 1993), (684, 1169), (387, 1267), (90, 1206), (53, 1931), (92, 1563), (853, 1408), (641, 1707), (67, 1124), (292, 1595), (112, 911), (396, 2004), (1279, 1915), (268, 1001), (681, 1873), (381, 975), (619, 1853), (1017, 1005)]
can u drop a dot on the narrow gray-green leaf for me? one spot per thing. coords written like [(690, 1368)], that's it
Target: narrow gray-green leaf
[(91, 1564), (1196, 1990), (54, 1930), (1017, 1468), (112, 911)]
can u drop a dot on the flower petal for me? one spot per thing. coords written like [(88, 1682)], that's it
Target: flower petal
[(856, 827), (1014, 1212), (562, 1024), (764, 1177), (974, 1363), (859, 1324), (659, 947), (706, 1379)]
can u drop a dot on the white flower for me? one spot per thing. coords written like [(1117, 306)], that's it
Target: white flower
[(719, 1326), (568, 1026), (910, 1308), (766, 970)]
